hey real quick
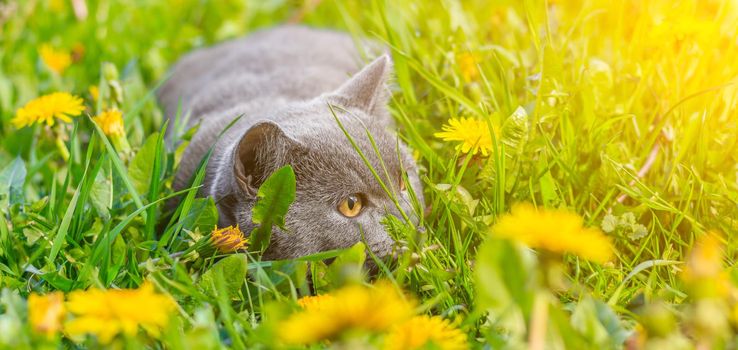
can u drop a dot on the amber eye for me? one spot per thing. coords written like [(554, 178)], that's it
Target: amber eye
[(351, 205)]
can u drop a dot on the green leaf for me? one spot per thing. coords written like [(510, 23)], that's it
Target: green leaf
[(61, 233), (119, 167), (12, 179), (549, 190), (283, 276), (232, 270), (155, 182), (506, 284), (141, 167), (58, 281), (515, 132), (598, 324), (101, 193), (347, 266), (6, 248), (609, 223), (204, 333), (275, 196), (203, 215), (12, 320)]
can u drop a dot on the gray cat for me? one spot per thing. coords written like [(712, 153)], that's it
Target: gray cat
[(282, 82)]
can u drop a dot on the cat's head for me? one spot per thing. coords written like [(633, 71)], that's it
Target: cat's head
[(339, 200)]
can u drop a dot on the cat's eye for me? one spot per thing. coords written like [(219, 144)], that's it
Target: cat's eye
[(351, 205)]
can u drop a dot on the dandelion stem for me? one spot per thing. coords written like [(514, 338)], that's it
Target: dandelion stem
[(156, 260), (63, 150), (538, 320)]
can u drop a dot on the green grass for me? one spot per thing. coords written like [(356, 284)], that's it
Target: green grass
[(598, 107)]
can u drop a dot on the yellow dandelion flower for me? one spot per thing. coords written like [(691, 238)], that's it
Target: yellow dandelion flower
[(468, 66), (473, 134), (352, 308), (107, 313), (57, 5), (706, 258), (555, 231), (94, 92), (56, 60), (45, 109), (703, 272), (111, 122), (316, 302), (46, 312), (78, 52), (421, 331), (228, 239)]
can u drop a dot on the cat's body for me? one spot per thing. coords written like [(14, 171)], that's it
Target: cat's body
[(280, 82)]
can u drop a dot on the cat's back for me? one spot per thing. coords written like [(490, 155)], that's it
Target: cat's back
[(286, 61)]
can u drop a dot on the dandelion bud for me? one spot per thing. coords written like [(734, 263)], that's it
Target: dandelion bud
[(109, 71), (116, 91), (94, 92), (414, 258), (111, 123), (228, 239)]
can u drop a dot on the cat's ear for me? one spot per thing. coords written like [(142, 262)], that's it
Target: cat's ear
[(261, 150), (367, 90)]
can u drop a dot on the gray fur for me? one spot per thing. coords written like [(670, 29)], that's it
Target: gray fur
[(282, 80)]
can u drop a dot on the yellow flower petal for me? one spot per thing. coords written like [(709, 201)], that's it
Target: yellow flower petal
[(108, 313), (473, 134), (228, 239), (94, 92), (422, 331), (555, 231), (47, 108), (704, 274), (56, 60), (467, 62), (352, 308), (111, 122), (46, 312), (316, 302)]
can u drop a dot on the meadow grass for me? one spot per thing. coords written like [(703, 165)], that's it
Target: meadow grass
[(619, 111)]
